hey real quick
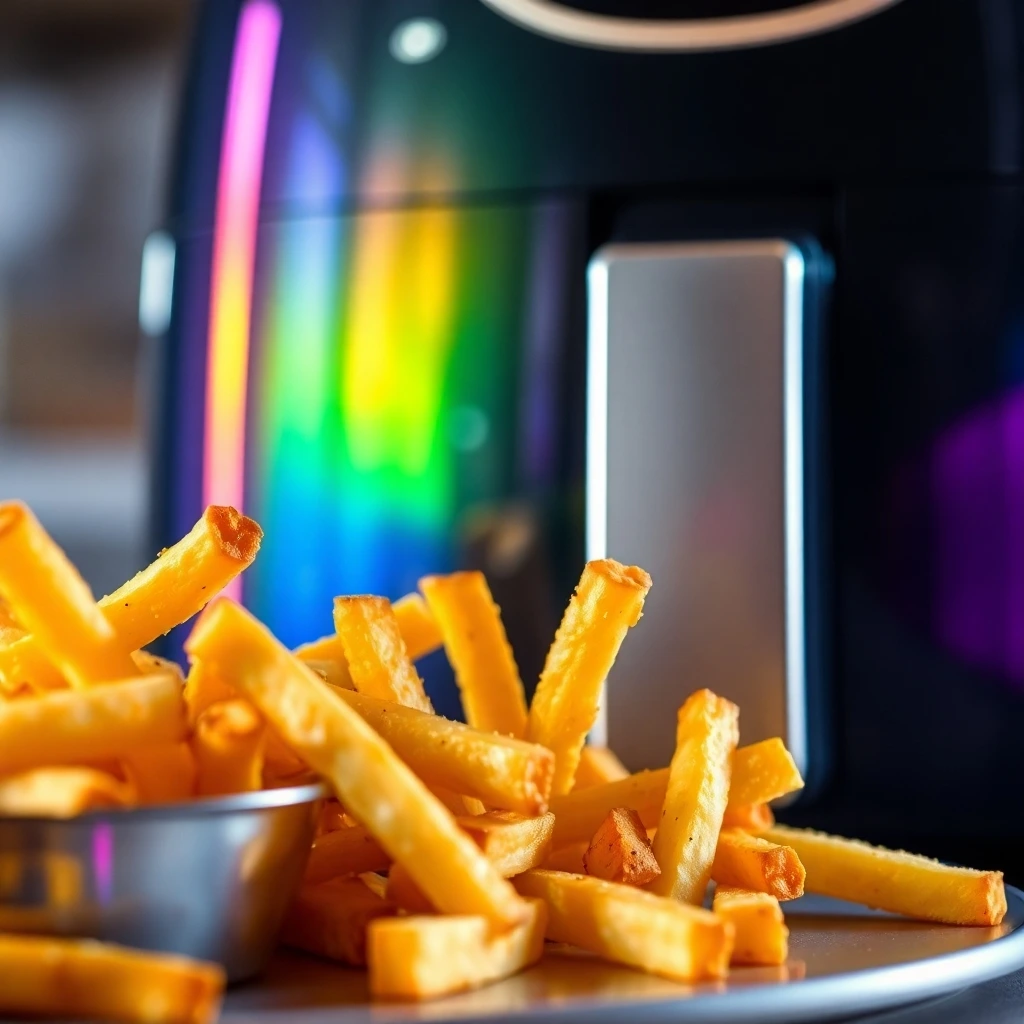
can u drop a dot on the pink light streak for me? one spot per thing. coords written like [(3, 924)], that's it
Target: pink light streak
[(234, 254)]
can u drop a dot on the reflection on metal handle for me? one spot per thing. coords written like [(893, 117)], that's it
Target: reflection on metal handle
[(611, 33)]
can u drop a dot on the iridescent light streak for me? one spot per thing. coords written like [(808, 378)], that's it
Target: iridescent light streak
[(234, 253)]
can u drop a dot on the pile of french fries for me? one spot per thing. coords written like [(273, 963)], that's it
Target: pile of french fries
[(448, 852)]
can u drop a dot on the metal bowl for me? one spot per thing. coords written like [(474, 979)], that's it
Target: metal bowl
[(210, 878)]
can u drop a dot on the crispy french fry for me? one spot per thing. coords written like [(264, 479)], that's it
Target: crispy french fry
[(172, 589), (598, 765), (228, 748), (334, 672), (749, 817), (54, 603), (631, 926), (478, 649), (85, 979), (8, 622), (902, 883), (568, 858), (620, 850), (375, 651), (346, 851), (744, 861), (507, 773), (763, 771), (379, 790), (62, 792), (697, 794), (513, 844), (203, 688), (608, 600), (427, 957), (420, 632), (103, 722), (331, 920), (162, 774), (761, 933)]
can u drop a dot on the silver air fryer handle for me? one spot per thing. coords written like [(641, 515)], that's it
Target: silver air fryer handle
[(611, 33), (695, 470)]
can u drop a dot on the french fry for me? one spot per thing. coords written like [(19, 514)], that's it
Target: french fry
[(697, 794), (162, 774), (568, 858), (902, 883), (608, 600), (331, 920), (598, 765), (170, 590), (101, 723), (420, 632), (632, 926), (332, 817), (334, 672), (228, 748), (62, 792), (749, 817), (379, 790), (203, 688), (428, 957), (763, 771), (478, 649), (83, 979), (8, 622), (761, 934), (620, 850), (375, 651), (744, 861), (54, 603), (506, 773), (511, 842), (346, 851)]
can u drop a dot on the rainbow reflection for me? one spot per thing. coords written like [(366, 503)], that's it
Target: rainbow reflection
[(234, 252)]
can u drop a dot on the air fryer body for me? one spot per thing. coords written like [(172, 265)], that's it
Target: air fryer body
[(415, 392)]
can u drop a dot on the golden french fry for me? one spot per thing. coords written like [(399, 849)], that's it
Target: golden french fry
[(161, 774), (760, 772), (503, 772), (103, 722), (902, 883), (620, 850), (10, 627), (203, 688), (697, 794), (346, 851), (375, 651), (478, 649), (83, 979), (420, 632), (331, 920), (632, 926), (54, 603), (332, 817), (761, 933), (598, 765), (334, 672), (427, 957), (512, 843), (744, 861), (608, 600), (172, 589), (372, 783), (228, 748), (568, 858), (328, 650), (749, 817), (62, 792)]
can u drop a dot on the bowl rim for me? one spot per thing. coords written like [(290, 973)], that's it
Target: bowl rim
[(203, 806)]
